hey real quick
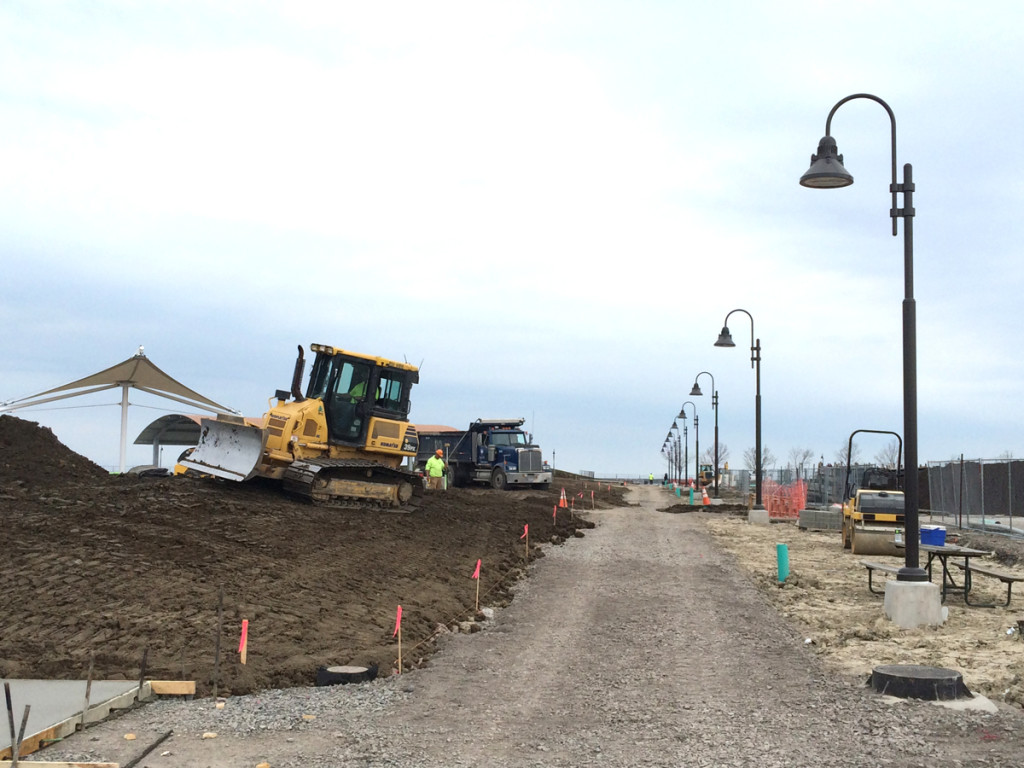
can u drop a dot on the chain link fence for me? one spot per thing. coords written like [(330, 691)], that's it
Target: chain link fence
[(978, 493)]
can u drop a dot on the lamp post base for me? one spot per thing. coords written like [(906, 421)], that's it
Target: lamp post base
[(758, 516), (910, 604)]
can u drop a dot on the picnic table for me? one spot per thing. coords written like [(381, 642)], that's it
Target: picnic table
[(942, 553)]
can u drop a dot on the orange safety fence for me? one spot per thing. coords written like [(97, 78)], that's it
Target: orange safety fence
[(784, 502)]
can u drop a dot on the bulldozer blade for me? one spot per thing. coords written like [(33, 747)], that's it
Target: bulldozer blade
[(874, 541), (229, 451)]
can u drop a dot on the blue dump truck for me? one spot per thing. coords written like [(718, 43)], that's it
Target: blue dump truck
[(495, 452)]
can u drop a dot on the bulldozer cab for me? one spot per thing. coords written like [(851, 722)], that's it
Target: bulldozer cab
[(354, 388)]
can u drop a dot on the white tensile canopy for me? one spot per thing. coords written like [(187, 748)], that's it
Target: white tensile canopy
[(137, 372)]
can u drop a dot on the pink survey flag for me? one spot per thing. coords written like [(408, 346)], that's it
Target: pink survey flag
[(398, 621), (245, 635), (526, 530), (476, 573)]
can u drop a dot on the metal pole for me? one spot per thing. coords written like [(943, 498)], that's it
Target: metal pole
[(715, 403), (686, 446), (696, 445), (759, 471), (912, 570)]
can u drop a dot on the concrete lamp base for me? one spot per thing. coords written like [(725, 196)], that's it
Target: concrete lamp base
[(758, 515), (910, 604)]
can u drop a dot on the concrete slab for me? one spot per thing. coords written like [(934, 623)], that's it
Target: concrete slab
[(56, 708)]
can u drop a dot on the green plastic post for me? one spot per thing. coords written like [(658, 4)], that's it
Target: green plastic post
[(691, 494), (782, 551)]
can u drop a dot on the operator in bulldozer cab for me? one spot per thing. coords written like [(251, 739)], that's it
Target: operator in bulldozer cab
[(347, 411)]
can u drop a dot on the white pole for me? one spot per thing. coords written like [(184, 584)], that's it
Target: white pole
[(124, 421)]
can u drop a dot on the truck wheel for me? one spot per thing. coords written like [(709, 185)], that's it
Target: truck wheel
[(499, 481)]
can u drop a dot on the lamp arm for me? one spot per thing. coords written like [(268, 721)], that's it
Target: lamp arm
[(892, 121)]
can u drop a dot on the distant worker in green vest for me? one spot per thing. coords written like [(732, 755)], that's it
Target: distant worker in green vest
[(435, 471), (650, 479)]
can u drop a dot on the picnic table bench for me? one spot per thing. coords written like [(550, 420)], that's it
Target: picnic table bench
[(970, 569), (872, 566)]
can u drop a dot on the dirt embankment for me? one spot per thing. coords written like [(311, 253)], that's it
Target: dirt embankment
[(112, 567)]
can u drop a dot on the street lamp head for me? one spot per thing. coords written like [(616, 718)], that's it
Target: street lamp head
[(675, 426), (826, 169), (695, 392), (725, 339)]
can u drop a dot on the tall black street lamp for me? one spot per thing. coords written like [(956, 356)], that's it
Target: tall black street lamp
[(696, 433), (675, 448), (695, 392), (826, 172), (686, 456), (725, 340)]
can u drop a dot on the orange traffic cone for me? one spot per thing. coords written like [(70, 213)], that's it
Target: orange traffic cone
[(707, 501), (562, 502)]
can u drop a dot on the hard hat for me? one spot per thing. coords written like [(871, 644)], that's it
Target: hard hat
[(439, 452)]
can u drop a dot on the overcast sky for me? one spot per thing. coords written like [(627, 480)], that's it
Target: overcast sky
[(549, 206)]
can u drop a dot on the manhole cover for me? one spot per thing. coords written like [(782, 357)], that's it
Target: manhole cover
[(913, 681)]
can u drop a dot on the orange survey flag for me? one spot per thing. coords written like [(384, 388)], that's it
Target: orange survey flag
[(243, 644)]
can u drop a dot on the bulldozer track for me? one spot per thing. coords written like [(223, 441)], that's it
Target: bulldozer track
[(300, 479)]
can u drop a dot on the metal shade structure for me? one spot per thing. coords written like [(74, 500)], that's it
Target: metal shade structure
[(137, 372)]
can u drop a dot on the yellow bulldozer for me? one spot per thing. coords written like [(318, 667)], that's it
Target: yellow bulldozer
[(873, 510), (343, 442)]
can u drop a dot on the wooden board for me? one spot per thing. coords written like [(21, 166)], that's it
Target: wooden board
[(173, 687)]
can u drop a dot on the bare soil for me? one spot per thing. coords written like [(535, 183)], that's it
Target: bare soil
[(826, 596), (112, 567), (115, 567)]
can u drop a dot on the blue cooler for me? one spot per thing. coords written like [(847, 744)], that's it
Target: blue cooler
[(934, 535)]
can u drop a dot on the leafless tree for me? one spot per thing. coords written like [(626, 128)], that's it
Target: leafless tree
[(798, 457), (854, 457), (708, 457), (767, 458), (888, 456)]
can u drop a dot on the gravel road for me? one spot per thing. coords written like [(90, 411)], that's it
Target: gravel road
[(642, 644)]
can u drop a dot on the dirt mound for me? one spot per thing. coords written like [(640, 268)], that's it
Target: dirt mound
[(115, 566), (30, 454)]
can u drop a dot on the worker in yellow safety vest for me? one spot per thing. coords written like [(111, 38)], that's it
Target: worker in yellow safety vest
[(435, 471)]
